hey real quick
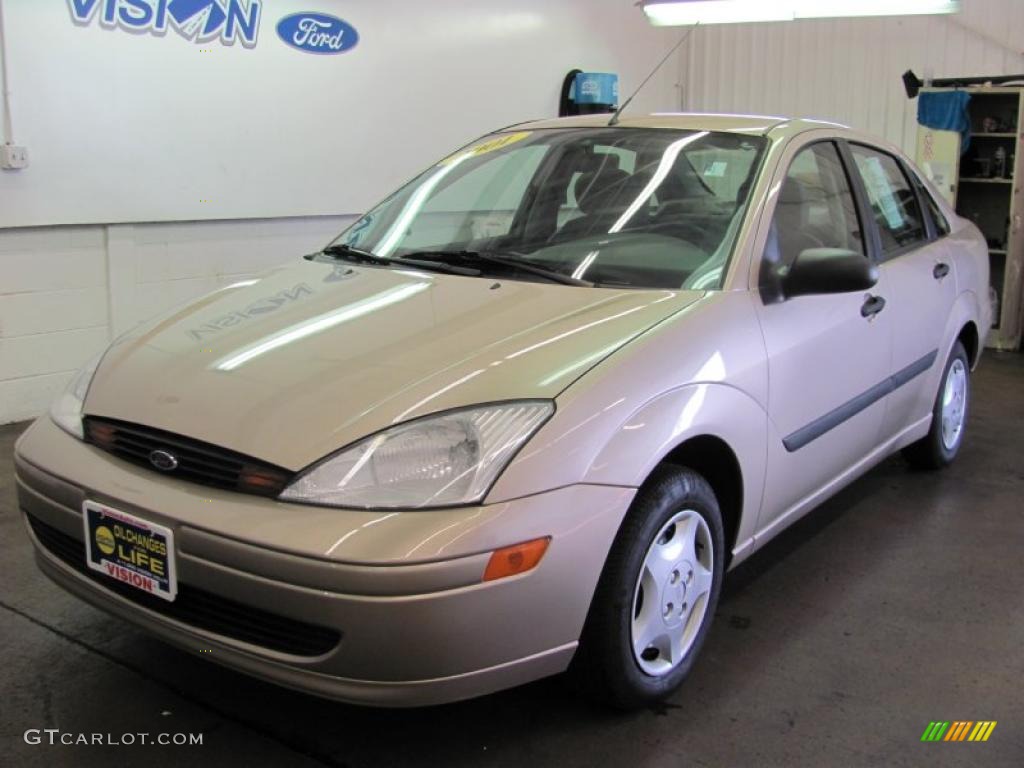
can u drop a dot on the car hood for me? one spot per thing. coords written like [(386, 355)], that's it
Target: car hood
[(314, 356)]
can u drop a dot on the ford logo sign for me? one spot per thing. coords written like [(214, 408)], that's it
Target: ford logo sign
[(163, 460), (317, 33)]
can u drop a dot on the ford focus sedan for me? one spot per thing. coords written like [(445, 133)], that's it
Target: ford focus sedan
[(521, 416)]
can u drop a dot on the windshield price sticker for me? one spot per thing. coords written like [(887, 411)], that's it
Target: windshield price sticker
[(491, 145)]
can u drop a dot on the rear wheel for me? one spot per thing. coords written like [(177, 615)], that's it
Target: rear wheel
[(949, 417), (657, 593)]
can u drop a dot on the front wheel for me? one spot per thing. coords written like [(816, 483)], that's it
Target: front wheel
[(949, 416), (657, 594)]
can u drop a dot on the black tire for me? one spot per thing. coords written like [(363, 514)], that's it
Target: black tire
[(605, 665), (931, 452)]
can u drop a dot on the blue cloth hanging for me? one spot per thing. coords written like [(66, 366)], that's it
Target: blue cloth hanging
[(946, 111)]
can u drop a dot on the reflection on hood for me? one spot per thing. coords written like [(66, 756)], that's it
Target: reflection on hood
[(316, 356)]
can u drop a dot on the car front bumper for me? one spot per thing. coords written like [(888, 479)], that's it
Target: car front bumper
[(387, 609)]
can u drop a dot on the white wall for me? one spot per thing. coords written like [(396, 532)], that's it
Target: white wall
[(848, 70), (131, 126), (66, 292)]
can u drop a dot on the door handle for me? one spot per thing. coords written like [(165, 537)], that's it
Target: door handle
[(872, 306), (940, 271)]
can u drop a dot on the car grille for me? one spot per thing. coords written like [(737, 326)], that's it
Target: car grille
[(198, 608), (195, 460)]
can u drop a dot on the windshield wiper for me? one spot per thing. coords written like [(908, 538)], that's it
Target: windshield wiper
[(510, 259), (352, 253), (360, 256), (441, 261)]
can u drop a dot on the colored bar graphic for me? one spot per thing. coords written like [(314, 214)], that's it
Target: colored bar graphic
[(958, 730), (934, 731)]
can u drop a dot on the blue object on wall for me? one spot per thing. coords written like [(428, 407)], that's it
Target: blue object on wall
[(946, 111), (596, 88)]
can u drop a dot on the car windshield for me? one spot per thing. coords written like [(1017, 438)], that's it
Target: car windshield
[(615, 207)]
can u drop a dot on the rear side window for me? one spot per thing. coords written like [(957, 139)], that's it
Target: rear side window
[(941, 225), (892, 199)]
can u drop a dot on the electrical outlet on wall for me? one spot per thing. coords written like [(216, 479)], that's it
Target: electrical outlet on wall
[(13, 158)]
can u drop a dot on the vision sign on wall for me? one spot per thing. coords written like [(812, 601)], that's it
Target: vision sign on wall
[(201, 21), (205, 21)]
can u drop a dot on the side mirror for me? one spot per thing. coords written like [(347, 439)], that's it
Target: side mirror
[(828, 270)]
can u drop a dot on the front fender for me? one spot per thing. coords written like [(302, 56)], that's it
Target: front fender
[(702, 372), (653, 431)]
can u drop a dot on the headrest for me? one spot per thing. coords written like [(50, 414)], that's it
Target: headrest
[(597, 189), (793, 192)]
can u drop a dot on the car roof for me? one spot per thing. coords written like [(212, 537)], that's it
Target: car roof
[(759, 125)]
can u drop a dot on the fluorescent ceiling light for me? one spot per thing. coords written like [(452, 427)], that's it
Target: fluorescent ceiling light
[(675, 12), (678, 12)]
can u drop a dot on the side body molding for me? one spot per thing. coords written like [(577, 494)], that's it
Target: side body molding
[(811, 432)]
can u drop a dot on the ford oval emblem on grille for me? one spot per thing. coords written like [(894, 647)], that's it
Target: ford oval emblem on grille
[(163, 460)]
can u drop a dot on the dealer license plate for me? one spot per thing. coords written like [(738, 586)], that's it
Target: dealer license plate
[(130, 550)]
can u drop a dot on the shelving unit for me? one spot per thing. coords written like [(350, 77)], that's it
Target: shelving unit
[(987, 192), (978, 180)]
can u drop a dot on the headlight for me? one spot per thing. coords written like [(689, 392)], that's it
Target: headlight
[(443, 460), (66, 410)]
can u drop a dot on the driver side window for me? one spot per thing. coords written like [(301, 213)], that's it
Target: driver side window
[(815, 208)]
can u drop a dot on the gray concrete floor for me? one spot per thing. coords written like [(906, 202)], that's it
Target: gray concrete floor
[(896, 603)]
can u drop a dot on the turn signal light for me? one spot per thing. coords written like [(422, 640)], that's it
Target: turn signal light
[(519, 558), (261, 480), (102, 435)]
